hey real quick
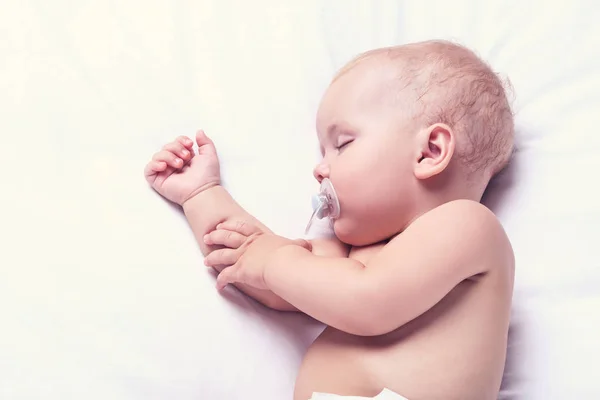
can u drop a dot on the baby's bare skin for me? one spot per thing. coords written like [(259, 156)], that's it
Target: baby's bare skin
[(424, 313), (431, 357)]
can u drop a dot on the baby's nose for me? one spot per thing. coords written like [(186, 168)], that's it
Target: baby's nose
[(321, 171)]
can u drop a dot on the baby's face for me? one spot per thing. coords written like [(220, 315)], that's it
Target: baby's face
[(368, 153)]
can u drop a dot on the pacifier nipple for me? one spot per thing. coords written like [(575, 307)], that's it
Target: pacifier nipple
[(324, 204)]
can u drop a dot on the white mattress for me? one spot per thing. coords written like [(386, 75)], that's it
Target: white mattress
[(102, 290)]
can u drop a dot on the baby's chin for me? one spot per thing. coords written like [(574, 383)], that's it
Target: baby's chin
[(349, 232)]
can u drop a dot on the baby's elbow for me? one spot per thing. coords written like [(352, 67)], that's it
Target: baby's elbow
[(376, 329), (365, 330), (368, 323), (278, 304)]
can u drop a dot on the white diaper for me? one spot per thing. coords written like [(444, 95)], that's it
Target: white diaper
[(385, 394)]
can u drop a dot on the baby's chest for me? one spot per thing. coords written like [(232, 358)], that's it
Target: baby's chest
[(365, 253)]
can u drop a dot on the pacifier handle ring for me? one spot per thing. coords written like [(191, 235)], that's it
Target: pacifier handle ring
[(312, 217)]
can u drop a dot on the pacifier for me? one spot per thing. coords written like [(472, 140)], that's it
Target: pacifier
[(325, 204)]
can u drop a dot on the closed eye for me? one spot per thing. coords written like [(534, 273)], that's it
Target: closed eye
[(343, 145)]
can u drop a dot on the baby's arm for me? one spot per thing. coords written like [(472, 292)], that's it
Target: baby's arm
[(215, 205), (193, 181), (412, 273), (211, 207)]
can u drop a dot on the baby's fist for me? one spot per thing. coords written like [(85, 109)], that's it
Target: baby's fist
[(178, 174)]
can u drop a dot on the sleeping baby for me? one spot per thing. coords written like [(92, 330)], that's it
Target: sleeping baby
[(415, 286)]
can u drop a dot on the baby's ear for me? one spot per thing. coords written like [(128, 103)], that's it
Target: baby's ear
[(436, 148)]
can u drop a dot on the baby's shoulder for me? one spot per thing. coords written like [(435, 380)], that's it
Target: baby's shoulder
[(464, 231), (466, 216)]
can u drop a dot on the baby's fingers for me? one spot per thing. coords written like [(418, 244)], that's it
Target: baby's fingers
[(178, 149), (186, 141), (227, 276), (225, 238), (154, 167), (168, 157), (224, 256), (240, 227)]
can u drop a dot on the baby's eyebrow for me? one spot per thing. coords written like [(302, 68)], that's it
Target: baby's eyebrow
[(332, 130)]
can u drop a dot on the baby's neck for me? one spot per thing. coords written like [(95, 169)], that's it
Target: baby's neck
[(429, 200)]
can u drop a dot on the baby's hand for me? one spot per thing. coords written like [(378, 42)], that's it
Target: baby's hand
[(227, 235), (246, 253), (178, 174)]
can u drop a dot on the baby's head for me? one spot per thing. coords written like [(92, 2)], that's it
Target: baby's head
[(405, 129)]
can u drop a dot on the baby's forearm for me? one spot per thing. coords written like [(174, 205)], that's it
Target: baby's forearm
[(333, 290), (211, 207), (215, 205)]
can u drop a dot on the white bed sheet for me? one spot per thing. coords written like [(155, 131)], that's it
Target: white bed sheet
[(102, 291)]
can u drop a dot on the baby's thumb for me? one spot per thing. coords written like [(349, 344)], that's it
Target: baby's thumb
[(205, 144), (303, 243), (202, 139), (225, 277)]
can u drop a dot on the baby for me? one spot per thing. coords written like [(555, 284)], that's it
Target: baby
[(416, 286)]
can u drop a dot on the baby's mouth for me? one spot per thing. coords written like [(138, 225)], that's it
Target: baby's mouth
[(325, 204)]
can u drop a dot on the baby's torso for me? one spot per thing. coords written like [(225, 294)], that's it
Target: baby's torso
[(456, 350)]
